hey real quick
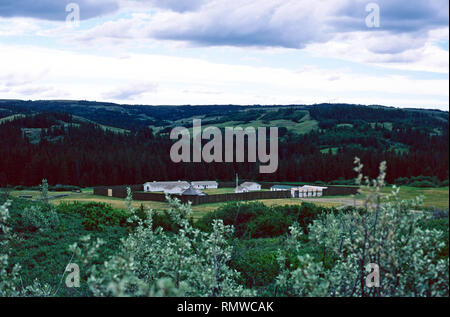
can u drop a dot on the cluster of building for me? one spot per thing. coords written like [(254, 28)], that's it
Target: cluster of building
[(301, 191), (195, 188), (180, 187)]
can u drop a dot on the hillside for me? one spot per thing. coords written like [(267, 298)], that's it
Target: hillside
[(91, 143), (297, 118)]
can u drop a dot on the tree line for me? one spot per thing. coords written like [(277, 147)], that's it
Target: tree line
[(89, 155)]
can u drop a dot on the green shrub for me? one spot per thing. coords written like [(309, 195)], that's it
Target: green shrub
[(422, 184), (389, 235), (44, 254), (256, 220), (165, 221), (256, 260), (342, 181), (269, 225), (402, 181), (96, 215), (34, 218), (236, 214), (440, 223), (420, 181)]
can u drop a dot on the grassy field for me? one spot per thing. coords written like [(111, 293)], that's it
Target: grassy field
[(104, 127), (199, 210), (218, 191), (434, 197), (11, 118), (301, 127)]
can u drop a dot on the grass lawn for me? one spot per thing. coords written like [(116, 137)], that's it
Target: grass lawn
[(36, 194), (218, 191), (434, 197)]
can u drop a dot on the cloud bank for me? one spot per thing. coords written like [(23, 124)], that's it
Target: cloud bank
[(55, 10)]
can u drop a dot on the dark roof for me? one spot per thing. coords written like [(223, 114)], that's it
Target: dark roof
[(282, 186), (191, 192)]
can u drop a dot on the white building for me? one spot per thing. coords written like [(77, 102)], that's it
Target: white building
[(205, 185), (250, 187), (308, 191), (240, 189), (166, 187), (281, 188)]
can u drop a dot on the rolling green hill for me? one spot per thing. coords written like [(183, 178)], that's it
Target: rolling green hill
[(92, 143), (298, 119)]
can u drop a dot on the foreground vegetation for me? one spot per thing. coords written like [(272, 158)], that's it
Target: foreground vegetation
[(242, 249)]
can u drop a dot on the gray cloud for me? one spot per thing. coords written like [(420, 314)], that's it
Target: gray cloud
[(395, 15), (243, 23), (296, 23), (55, 10), (173, 5)]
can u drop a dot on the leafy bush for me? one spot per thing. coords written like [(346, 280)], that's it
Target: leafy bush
[(439, 222), (256, 220), (189, 263), (43, 254), (421, 181), (256, 260), (165, 221), (34, 218), (269, 225), (236, 214), (422, 184), (96, 215), (342, 181), (407, 254)]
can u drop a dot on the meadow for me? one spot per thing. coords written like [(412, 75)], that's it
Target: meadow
[(433, 197)]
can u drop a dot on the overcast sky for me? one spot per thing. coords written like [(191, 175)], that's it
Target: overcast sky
[(167, 52)]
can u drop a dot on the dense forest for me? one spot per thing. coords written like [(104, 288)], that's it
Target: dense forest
[(102, 144)]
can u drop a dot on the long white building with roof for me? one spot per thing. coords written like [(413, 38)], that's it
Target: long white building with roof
[(205, 185), (166, 187)]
